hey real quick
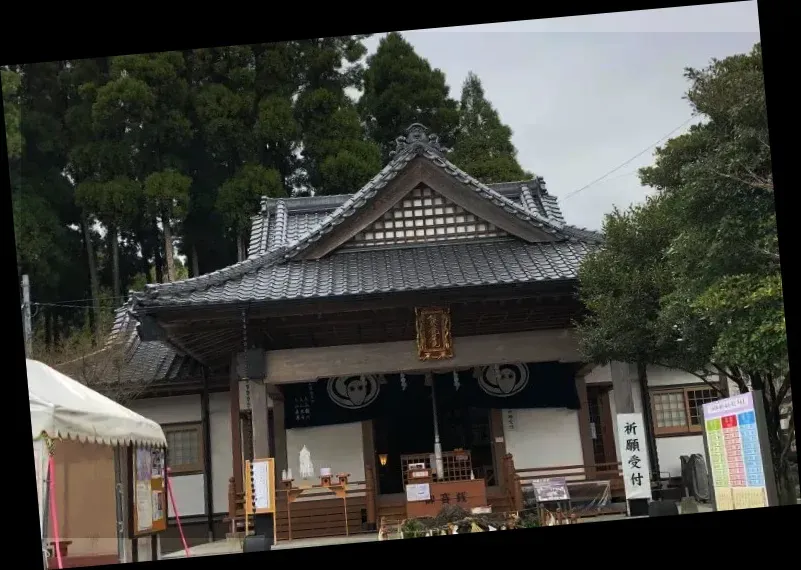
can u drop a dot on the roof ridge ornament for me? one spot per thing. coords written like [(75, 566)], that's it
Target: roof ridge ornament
[(417, 135)]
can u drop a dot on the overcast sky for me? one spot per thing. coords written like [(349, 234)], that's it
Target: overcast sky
[(586, 94)]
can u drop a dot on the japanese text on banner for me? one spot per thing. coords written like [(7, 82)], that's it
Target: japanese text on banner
[(634, 456)]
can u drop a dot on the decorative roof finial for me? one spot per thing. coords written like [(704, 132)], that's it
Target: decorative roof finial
[(417, 135)]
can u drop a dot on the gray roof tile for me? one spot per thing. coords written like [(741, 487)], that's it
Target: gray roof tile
[(145, 362), (394, 270), (289, 226)]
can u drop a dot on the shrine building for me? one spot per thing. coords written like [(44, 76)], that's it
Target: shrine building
[(424, 322)]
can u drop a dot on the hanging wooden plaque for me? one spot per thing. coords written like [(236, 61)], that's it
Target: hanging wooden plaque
[(434, 341)]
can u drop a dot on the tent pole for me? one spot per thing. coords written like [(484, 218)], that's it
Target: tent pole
[(46, 515), (118, 503)]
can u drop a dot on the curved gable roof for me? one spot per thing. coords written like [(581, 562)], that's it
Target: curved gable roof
[(289, 229)]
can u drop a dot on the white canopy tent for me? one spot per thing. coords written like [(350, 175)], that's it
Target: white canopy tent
[(62, 408)]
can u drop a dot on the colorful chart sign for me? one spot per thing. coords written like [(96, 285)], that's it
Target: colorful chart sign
[(735, 453)]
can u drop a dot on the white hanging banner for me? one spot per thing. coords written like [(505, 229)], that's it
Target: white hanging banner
[(634, 456)]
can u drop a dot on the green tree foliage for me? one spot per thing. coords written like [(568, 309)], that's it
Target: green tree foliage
[(241, 195), (167, 199), (337, 155), (115, 203), (11, 84), (483, 145), (699, 264), (125, 166), (401, 88)]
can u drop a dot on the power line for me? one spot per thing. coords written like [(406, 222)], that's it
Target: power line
[(67, 305), (636, 156), (91, 299)]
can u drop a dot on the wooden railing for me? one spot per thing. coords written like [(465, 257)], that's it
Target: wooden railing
[(236, 501), (574, 473), (512, 479)]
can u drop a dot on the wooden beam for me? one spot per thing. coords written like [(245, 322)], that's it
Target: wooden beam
[(306, 364), (585, 433), (236, 436), (498, 445), (368, 450), (279, 411), (207, 471)]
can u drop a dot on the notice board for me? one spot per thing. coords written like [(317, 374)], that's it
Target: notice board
[(149, 492), (260, 486)]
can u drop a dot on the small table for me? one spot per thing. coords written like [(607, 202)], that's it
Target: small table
[(293, 493)]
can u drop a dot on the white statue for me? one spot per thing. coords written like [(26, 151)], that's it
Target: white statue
[(306, 465)]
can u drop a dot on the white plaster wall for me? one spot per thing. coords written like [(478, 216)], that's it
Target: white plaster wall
[(660, 376), (599, 375), (188, 490), (670, 449), (543, 437), (222, 466), (339, 447)]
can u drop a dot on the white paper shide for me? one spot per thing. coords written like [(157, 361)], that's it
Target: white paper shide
[(634, 456), (305, 463)]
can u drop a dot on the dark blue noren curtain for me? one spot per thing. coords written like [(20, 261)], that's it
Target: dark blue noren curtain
[(332, 401)]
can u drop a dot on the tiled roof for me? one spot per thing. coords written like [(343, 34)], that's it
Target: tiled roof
[(304, 214), (145, 362), (394, 270), (286, 227), (394, 168)]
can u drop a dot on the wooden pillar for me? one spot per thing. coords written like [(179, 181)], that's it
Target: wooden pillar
[(498, 445), (236, 436), (368, 449), (207, 474), (129, 484), (370, 496), (621, 384), (585, 433), (279, 433), (261, 427)]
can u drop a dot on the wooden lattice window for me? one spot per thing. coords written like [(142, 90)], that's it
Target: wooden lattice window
[(456, 465), (424, 216), (184, 448), (678, 410)]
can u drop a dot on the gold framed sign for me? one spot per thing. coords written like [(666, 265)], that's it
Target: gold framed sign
[(434, 340)]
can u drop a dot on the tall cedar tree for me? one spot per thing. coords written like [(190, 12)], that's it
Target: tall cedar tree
[(401, 88), (483, 145), (337, 156)]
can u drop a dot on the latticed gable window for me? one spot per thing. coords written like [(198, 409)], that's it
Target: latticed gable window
[(424, 216)]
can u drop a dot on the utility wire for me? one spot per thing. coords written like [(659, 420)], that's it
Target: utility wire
[(67, 305), (629, 161), (90, 299)]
